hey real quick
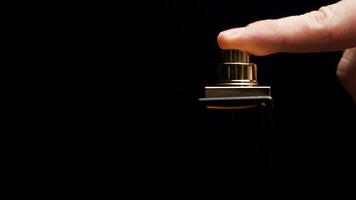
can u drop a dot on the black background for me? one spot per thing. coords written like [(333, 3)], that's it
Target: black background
[(121, 82)]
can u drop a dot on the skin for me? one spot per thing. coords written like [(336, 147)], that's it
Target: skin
[(331, 28)]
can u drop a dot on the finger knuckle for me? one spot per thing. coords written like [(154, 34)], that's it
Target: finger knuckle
[(322, 17), (346, 69), (321, 21)]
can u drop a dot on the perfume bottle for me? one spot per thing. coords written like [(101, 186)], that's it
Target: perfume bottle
[(237, 120)]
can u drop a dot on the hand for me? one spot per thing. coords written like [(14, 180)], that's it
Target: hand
[(331, 28)]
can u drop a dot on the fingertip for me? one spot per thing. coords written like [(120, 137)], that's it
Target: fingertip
[(239, 39), (228, 39), (222, 40)]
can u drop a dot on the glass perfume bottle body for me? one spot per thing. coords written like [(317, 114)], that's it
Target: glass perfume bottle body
[(237, 121)]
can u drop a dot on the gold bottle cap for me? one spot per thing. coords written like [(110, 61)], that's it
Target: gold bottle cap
[(235, 56), (236, 69)]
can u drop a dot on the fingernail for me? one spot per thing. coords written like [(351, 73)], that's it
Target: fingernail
[(230, 32)]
